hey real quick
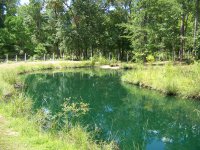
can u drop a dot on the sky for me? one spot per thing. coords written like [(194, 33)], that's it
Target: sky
[(22, 2)]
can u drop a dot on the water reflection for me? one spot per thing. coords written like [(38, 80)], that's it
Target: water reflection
[(132, 117)]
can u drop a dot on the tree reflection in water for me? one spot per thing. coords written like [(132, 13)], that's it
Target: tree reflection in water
[(132, 117)]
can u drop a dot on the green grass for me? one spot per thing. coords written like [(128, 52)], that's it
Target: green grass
[(18, 117), (173, 80)]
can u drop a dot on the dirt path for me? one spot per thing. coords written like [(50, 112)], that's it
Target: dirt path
[(109, 67), (8, 137)]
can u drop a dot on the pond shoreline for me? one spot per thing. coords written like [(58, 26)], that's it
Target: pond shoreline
[(120, 101), (171, 80), (147, 77), (16, 110)]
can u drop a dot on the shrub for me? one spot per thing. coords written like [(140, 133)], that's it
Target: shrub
[(150, 58), (40, 49)]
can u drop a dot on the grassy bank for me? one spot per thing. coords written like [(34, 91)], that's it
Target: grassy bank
[(173, 80), (20, 127)]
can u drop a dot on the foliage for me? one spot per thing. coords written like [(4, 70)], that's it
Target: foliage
[(74, 27), (63, 120), (155, 25), (150, 58), (40, 49), (85, 28)]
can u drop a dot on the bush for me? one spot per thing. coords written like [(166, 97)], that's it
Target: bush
[(150, 58), (138, 57), (190, 60), (40, 49), (101, 60)]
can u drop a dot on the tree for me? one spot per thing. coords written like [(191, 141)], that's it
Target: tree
[(196, 21), (7, 8), (153, 26), (80, 27)]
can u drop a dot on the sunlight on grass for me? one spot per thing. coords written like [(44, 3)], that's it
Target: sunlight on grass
[(172, 80)]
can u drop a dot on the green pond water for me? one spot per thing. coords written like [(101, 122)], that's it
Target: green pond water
[(133, 118)]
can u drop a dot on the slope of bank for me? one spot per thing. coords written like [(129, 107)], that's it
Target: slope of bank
[(181, 80)]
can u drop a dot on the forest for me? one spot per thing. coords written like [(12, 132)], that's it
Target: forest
[(147, 30)]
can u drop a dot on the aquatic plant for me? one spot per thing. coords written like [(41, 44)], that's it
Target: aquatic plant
[(64, 119)]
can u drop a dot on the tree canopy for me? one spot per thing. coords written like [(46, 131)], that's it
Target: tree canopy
[(158, 28)]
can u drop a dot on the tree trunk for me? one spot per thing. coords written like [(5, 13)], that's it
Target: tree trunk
[(2, 11), (196, 24), (92, 51), (58, 50), (182, 34), (86, 54)]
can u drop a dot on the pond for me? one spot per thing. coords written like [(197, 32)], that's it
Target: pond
[(132, 117)]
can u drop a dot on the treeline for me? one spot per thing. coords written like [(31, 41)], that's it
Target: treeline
[(146, 29)]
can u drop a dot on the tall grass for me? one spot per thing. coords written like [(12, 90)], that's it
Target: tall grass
[(100, 60), (16, 108), (172, 80), (18, 112)]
